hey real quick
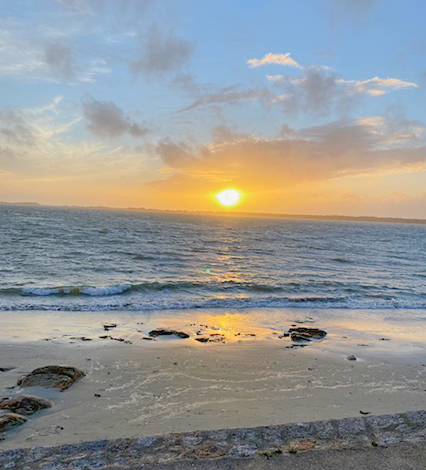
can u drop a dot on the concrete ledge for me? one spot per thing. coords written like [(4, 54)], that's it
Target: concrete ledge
[(120, 454)]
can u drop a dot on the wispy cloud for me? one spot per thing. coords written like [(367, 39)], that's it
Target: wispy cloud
[(161, 53), (31, 56), (232, 95), (274, 59), (376, 86)]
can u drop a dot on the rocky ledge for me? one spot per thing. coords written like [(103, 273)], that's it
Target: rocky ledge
[(260, 442)]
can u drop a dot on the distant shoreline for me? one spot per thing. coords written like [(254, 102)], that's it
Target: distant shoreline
[(348, 218)]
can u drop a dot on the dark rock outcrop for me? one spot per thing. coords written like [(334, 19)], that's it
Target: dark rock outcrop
[(24, 404), (60, 377), (167, 332), (306, 334), (9, 420)]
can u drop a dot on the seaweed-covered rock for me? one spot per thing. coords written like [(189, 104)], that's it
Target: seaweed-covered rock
[(9, 420), (167, 332), (306, 334), (60, 377), (24, 404)]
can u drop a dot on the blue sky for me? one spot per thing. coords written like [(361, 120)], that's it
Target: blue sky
[(308, 106)]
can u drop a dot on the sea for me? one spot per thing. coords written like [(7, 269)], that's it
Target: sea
[(73, 259)]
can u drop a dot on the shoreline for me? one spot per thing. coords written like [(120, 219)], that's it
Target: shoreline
[(255, 376)]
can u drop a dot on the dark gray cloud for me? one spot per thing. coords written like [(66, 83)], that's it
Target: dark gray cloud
[(162, 53), (60, 60), (106, 119), (317, 91)]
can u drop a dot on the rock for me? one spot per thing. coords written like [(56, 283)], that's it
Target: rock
[(108, 327), (213, 338), (202, 340), (167, 332), (351, 358), (60, 377), (9, 420), (6, 369), (306, 334), (82, 338), (121, 340), (24, 404), (300, 337)]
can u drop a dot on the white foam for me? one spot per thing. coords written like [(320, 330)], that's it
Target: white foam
[(103, 291)]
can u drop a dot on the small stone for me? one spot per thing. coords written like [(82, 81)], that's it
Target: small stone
[(108, 327), (9, 420), (24, 404), (351, 358)]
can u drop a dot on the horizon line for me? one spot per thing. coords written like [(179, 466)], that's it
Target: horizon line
[(359, 218)]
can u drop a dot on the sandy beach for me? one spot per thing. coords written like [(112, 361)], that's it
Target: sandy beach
[(252, 377)]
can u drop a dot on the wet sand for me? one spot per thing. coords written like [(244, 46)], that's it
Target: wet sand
[(178, 385)]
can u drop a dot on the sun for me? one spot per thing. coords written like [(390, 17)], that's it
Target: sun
[(228, 197)]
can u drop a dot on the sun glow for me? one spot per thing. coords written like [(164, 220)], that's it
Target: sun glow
[(228, 197)]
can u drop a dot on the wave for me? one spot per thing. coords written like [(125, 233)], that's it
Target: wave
[(158, 303), (101, 291)]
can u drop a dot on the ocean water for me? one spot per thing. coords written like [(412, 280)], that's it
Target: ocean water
[(86, 260)]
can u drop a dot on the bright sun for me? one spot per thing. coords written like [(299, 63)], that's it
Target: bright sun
[(228, 197)]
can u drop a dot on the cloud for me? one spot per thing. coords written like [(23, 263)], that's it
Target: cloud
[(162, 53), (320, 90), (341, 148), (44, 55), (60, 60), (376, 86), (36, 146), (105, 119), (277, 59), (317, 90), (121, 7), (15, 130), (231, 95)]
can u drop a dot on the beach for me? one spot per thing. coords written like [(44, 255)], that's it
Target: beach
[(252, 376)]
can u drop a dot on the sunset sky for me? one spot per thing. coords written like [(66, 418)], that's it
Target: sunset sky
[(308, 106)]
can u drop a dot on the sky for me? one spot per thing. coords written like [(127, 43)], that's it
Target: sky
[(306, 107)]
